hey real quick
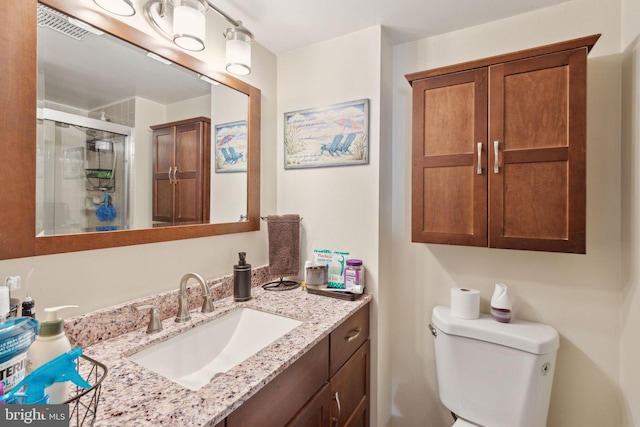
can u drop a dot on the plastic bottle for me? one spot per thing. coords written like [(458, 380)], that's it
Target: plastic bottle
[(28, 304), (5, 307), (16, 335), (12, 283), (33, 388), (242, 279), (354, 276), (50, 343), (28, 307)]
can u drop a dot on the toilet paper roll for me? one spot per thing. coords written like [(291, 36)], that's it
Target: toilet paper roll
[(465, 303)]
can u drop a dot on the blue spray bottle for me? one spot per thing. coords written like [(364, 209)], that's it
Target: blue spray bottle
[(31, 390)]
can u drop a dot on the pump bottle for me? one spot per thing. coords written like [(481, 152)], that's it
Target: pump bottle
[(50, 343), (242, 279)]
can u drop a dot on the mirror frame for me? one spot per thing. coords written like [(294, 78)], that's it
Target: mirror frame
[(18, 96)]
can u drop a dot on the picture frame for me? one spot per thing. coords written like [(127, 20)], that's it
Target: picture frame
[(231, 147), (334, 135)]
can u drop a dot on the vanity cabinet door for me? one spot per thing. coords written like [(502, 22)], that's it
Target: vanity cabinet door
[(316, 412), (350, 390)]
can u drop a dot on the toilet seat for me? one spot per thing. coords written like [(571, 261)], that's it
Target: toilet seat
[(464, 423)]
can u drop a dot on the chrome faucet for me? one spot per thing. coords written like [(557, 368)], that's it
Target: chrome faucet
[(183, 303)]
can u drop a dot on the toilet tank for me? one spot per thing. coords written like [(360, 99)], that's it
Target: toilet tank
[(494, 374)]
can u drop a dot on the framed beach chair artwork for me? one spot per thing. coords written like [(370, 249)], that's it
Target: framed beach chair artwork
[(231, 147), (336, 135)]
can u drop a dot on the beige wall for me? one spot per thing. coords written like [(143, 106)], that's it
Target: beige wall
[(341, 206), (630, 167), (578, 294)]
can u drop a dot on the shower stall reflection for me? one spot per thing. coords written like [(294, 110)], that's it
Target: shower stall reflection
[(81, 175)]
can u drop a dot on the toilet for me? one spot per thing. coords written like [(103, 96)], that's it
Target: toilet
[(493, 374)]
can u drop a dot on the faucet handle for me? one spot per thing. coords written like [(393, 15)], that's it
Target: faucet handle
[(155, 325)]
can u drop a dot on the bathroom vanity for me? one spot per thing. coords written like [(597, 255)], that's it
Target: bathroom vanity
[(328, 385), (315, 375)]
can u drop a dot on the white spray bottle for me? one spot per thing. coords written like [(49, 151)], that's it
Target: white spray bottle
[(50, 343)]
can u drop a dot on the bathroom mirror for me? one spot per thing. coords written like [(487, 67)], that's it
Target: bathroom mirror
[(126, 110)]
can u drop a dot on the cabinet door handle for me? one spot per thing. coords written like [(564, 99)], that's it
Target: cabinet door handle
[(496, 151), (353, 334), (170, 170), (175, 175), (337, 399), (479, 171)]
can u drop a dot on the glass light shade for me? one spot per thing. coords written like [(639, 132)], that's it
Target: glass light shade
[(238, 52), (117, 7), (189, 24)]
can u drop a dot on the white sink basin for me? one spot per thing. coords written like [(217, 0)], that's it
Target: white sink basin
[(194, 357)]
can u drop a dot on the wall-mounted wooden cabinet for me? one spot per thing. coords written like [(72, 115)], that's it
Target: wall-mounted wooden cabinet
[(181, 171), (499, 150)]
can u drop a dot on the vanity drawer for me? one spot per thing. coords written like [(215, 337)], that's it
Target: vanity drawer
[(347, 338)]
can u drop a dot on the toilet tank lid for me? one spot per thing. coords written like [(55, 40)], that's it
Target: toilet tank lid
[(532, 337)]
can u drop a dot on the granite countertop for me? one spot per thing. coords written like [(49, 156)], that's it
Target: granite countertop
[(134, 396)]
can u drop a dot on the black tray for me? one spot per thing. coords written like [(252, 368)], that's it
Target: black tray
[(348, 296)]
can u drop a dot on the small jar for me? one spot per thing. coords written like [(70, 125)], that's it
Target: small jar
[(354, 276)]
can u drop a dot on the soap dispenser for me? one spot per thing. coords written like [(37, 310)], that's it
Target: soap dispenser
[(242, 279), (50, 343)]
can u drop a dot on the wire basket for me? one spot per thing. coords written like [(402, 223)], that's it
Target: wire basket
[(83, 405)]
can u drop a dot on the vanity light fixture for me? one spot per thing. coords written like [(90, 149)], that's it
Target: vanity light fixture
[(189, 24), (117, 7), (238, 51), (183, 22), (180, 21)]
